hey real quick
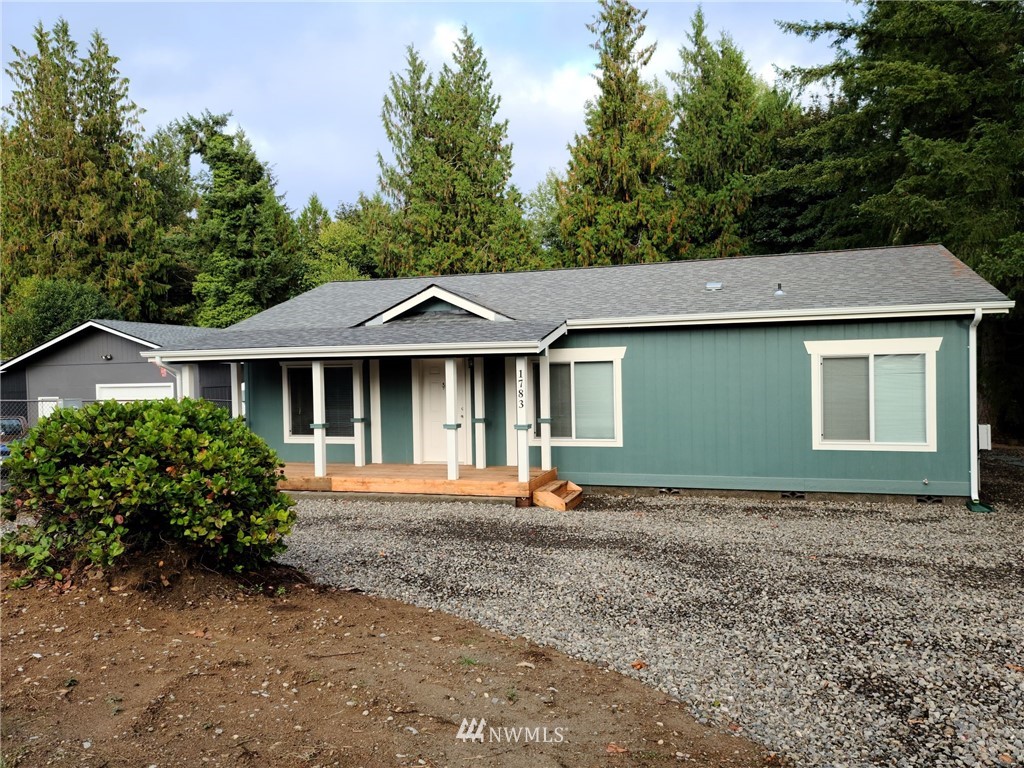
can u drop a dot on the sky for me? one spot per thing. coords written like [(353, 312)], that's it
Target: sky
[(305, 81)]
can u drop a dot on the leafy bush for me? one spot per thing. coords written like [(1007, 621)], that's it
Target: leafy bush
[(111, 478)]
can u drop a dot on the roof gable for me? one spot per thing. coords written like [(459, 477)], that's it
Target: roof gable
[(432, 299), (149, 335)]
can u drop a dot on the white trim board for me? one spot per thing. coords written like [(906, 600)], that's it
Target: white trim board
[(442, 349), (68, 334), (437, 292), (794, 315), (927, 346), (102, 390)]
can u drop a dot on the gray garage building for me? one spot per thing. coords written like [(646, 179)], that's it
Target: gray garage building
[(100, 360)]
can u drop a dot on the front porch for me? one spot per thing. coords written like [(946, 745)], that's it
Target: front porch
[(416, 478)]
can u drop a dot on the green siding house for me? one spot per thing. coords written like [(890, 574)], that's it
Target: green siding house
[(841, 371)]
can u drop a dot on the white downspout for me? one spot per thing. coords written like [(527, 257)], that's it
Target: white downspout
[(159, 363), (972, 383)]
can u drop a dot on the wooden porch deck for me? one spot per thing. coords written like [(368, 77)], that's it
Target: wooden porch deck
[(431, 479)]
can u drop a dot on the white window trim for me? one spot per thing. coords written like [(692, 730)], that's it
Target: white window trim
[(611, 355), (287, 436), (818, 350)]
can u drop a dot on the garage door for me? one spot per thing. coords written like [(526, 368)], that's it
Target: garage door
[(127, 392)]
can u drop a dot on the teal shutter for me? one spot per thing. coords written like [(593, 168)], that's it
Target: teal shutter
[(595, 401), (900, 399), (844, 398)]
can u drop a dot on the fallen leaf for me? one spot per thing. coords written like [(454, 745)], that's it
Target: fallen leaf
[(735, 728), (615, 749), (526, 664), (1005, 758), (638, 664), (1015, 667)]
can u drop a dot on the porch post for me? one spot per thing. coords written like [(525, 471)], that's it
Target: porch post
[(236, 390), (376, 433), (545, 412), (188, 382), (522, 425), (451, 385), (480, 441), (319, 424), (358, 415)]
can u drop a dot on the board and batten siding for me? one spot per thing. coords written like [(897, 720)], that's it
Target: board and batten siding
[(729, 407), (264, 393)]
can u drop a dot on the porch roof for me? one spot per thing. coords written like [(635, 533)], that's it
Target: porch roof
[(420, 336)]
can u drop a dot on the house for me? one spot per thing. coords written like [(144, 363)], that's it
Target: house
[(100, 360), (841, 371)]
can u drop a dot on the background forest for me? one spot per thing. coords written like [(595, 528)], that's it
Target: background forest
[(915, 133)]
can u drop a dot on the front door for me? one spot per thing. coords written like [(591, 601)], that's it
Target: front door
[(431, 434)]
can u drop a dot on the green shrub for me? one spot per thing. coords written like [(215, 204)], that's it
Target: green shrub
[(114, 478)]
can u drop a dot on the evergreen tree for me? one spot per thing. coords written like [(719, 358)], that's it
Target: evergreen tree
[(244, 239), (923, 141), (727, 122), (615, 208), (74, 204), (454, 209)]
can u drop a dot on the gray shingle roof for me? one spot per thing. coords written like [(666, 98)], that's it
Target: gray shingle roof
[(158, 333), (813, 282), (462, 331)]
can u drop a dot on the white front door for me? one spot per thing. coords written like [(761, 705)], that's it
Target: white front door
[(428, 379)]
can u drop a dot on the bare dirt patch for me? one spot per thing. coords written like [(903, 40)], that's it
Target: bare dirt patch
[(273, 671)]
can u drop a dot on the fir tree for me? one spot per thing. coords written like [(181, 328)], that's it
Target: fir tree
[(244, 239), (615, 209)]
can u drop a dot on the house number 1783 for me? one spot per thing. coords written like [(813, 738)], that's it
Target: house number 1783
[(521, 389)]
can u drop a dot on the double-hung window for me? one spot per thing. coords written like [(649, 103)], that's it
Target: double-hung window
[(338, 399), (873, 394), (586, 396)]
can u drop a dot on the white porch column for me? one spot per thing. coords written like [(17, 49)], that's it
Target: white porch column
[(236, 390), (319, 421), (480, 433), (188, 382), (545, 412), (522, 424), (451, 386), (358, 415)]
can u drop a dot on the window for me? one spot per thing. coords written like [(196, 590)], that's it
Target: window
[(873, 394), (298, 403), (586, 396)]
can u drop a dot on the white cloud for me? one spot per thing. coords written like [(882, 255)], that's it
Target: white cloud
[(443, 41)]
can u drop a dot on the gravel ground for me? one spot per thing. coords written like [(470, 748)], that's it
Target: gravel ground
[(840, 634)]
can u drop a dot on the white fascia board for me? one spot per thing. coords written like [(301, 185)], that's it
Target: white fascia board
[(68, 334), (793, 315), (436, 292), (361, 351)]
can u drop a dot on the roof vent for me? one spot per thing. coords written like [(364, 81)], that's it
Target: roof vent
[(779, 293), (713, 285)]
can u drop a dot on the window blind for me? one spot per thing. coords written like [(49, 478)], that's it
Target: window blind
[(561, 400), (844, 398), (900, 415), (595, 401), (339, 401), (300, 394)]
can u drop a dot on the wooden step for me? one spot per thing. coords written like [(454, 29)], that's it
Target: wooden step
[(561, 495)]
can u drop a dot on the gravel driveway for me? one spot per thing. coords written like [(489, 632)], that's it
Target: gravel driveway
[(841, 634)]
